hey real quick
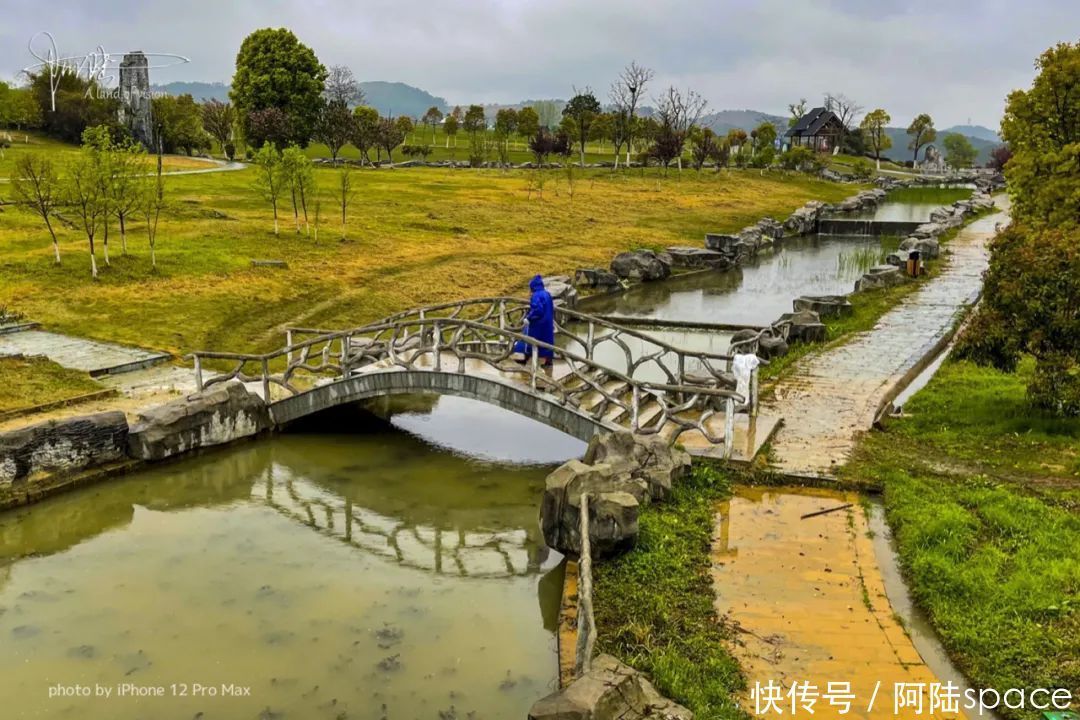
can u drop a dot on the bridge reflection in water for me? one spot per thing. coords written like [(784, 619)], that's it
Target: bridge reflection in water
[(403, 576)]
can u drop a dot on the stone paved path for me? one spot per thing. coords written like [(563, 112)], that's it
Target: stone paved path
[(91, 356), (834, 395)]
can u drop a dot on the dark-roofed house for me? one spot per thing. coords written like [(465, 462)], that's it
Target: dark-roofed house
[(819, 129)]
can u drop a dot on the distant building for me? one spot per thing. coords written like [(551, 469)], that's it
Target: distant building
[(819, 130)]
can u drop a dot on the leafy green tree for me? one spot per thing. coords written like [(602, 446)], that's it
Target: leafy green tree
[(528, 122), (475, 121), (218, 120), (405, 125), (70, 104), (603, 129), (299, 177), (336, 126), (37, 185), (873, 128), (582, 111), (365, 131), (178, 120), (764, 136), (275, 70), (390, 136), (269, 177), (450, 127), (703, 146), (432, 118), (959, 152), (922, 132), (1042, 129), (505, 124)]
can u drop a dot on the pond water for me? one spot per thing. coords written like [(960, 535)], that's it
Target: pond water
[(756, 293), (893, 212), (335, 575)]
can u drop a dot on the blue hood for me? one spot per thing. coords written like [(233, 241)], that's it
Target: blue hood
[(537, 283)]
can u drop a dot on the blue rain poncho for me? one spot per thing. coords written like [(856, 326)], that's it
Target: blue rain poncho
[(540, 319)]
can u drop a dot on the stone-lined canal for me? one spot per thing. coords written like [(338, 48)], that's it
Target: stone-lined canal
[(361, 575)]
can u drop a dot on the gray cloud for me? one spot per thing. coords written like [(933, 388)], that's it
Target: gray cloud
[(956, 59)]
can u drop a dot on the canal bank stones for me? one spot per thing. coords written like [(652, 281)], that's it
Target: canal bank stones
[(880, 276), (698, 258), (803, 326), (561, 290), (60, 446), (596, 278), (824, 305), (610, 690), (215, 416), (804, 220), (620, 472), (641, 265)]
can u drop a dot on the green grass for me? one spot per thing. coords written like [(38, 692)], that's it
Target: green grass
[(983, 493), (654, 605), (34, 142), (940, 196), (30, 381), (415, 236)]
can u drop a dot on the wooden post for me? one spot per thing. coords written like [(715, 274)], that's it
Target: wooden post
[(437, 346), (198, 373), (535, 366), (345, 342), (266, 380), (753, 399), (729, 426), (288, 344), (586, 622), (635, 401)]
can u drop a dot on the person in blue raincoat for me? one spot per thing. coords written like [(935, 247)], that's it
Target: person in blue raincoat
[(540, 322)]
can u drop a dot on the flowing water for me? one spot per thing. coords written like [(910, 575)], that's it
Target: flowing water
[(335, 575), (756, 293)]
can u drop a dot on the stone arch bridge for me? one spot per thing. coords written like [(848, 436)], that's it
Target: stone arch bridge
[(604, 376)]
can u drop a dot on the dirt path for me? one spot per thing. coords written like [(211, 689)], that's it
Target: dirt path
[(832, 396)]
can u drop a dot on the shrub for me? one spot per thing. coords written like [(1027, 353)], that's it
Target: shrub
[(230, 150), (862, 169), (795, 157)]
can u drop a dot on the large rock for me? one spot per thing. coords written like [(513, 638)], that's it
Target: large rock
[(219, 415), (695, 258), (928, 248), (880, 276), (824, 305), (723, 243), (595, 278), (620, 472), (609, 691), (772, 346), (562, 292), (61, 446), (804, 220), (640, 265), (770, 228), (804, 326)]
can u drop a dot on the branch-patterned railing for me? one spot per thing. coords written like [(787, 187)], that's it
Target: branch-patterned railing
[(662, 388)]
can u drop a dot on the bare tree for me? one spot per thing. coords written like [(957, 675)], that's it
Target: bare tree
[(847, 110), (680, 112), (151, 203), (341, 86), (37, 184), (345, 193), (626, 94)]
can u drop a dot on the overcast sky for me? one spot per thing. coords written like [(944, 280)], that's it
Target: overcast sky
[(956, 59)]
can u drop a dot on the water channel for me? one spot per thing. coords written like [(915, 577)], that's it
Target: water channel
[(378, 574)]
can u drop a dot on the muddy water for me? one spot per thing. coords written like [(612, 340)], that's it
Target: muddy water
[(756, 293), (336, 576)]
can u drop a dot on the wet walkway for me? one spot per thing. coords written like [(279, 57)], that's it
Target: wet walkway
[(834, 395), (90, 356), (809, 605)]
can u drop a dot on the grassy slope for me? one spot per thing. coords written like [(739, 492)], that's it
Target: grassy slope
[(654, 606), (415, 236), (61, 152), (983, 493), (35, 381)]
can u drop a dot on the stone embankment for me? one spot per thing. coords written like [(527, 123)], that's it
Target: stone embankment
[(39, 459), (619, 473)]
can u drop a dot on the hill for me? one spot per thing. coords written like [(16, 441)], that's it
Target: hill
[(387, 97), (724, 120), (974, 131), (900, 152)]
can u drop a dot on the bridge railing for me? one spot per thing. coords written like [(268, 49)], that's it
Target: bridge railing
[(633, 352), (611, 398)]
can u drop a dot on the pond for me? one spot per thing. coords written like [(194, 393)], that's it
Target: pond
[(373, 574)]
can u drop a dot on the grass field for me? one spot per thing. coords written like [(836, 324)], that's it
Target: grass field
[(415, 236), (32, 381), (983, 493), (59, 152)]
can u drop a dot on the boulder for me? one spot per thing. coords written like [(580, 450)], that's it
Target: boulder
[(695, 258), (722, 243), (610, 690), (824, 305), (562, 292), (770, 229), (742, 336), (221, 414), (61, 446), (595, 278), (804, 326), (929, 230), (640, 265), (879, 277), (804, 220), (772, 346), (645, 457), (928, 248)]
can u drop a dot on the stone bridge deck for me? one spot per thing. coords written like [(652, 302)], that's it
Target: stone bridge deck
[(833, 396)]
